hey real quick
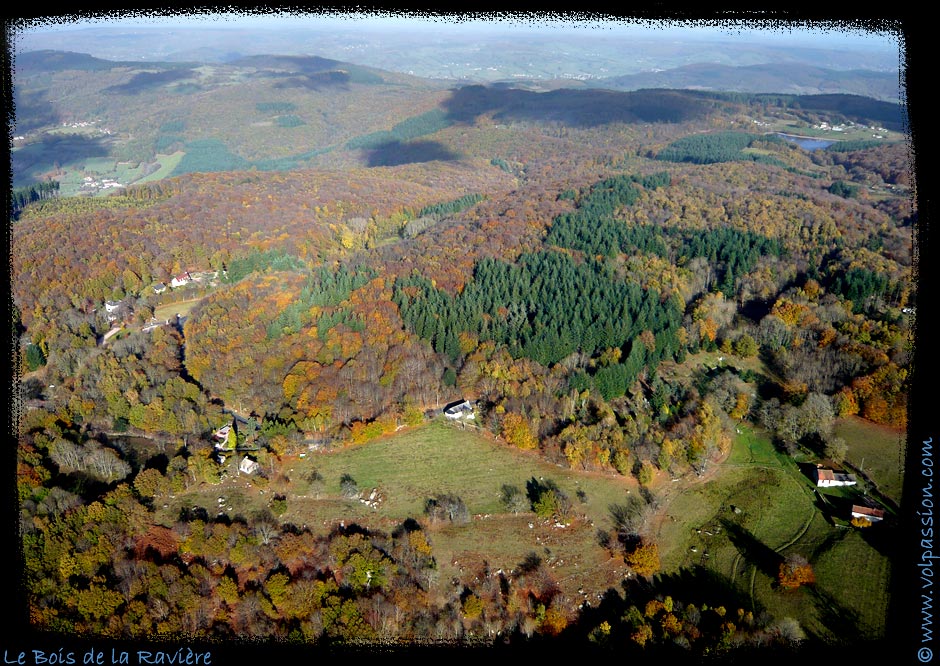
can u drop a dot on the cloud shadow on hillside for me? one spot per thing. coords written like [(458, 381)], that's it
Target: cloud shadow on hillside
[(33, 110), (33, 161), (577, 108), (396, 153), (145, 81)]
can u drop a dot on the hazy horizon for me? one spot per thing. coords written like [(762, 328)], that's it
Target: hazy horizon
[(469, 47)]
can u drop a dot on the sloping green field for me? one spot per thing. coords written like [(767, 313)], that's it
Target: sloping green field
[(761, 508), (879, 449)]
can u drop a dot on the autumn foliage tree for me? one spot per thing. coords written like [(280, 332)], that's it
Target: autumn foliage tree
[(795, 571), (516, 431), (643, 558)]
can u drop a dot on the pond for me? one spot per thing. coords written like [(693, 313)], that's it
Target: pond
[(807, 143)]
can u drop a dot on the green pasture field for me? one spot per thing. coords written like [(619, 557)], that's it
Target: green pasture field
[(440, 458), (167, 310), (167, 165), (863, 596), (409, 467), (800, 128), (74, 167), (778, 516), (880, 449)]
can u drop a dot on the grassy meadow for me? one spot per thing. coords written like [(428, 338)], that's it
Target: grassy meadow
[(414, 465), (879, 449), (760, 508), (739, 522)]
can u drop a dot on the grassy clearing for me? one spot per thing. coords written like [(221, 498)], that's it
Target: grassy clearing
[(410, 467), (773, 501), (168, 310), (879, 449), (438, 458), (758, 508), (706, 361), (850, 598), (864, 595), (75, 160), (167, 165), (802, 129), (753, 447), (773, 509)]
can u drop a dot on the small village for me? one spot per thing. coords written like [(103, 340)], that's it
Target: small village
[(122, 310)]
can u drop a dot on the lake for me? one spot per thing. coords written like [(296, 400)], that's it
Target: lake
[(807, 143)]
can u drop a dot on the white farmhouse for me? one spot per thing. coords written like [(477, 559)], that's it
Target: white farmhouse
[(248, 466), (461, 409), (827, 478)]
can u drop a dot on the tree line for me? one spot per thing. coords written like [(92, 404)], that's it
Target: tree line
[(717, 147), (23, 196)]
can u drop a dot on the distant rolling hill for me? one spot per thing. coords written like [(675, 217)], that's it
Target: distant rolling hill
[(265, 112), (48, 60), (794, 78), (81, 119)]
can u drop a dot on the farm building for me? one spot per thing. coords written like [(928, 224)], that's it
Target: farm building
[(827, 478), (248, 466), (461, 409), (868, 513), (114, 308), (181, 280)]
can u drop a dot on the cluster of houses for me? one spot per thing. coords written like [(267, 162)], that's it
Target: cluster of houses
[(826, 127), (118, 309), (87, 124), (90, 183), (829, 478), (226, 442), (829, 128), (187, 277)]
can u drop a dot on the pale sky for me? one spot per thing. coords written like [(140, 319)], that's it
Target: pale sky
[(779, 33)]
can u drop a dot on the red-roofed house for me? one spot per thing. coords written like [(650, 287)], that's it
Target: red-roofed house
[(868, 513), (826, 478)]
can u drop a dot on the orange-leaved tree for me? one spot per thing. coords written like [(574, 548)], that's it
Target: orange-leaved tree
[(794, 572)]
